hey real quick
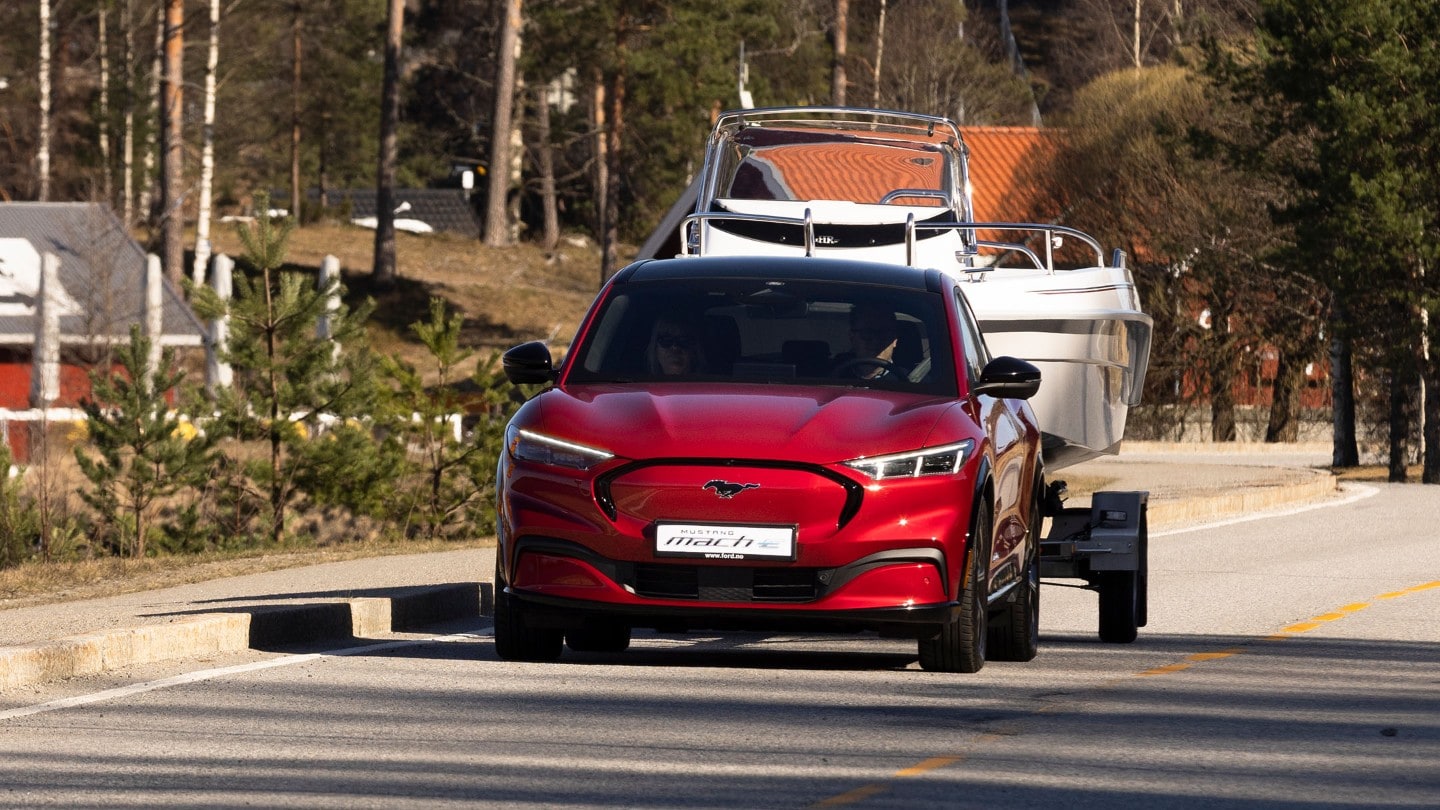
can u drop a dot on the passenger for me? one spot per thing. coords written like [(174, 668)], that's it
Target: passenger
[(873, 334), (675, 347)]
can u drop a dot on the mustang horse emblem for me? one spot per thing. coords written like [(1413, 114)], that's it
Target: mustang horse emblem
[(727, 490)]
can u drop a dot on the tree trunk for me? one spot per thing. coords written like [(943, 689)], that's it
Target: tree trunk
[(1284, 422), (497, 225), (1430, 468), (1345, 451), (837, 67), (1222, 358), (614, 138), (1222, 407), (1136, 37), (127, 148), (42, 154), (602, 165), (384, 271), (1401, 392), (295, 87), (207, 149), (879, 57), (545, 158), (107, 184), (147, 188), (173, 223)]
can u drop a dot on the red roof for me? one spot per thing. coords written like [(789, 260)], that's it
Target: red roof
[(998, 157)]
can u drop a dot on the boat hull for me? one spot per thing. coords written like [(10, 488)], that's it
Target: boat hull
[(1085, 331)]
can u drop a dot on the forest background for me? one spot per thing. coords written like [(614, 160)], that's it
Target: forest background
[(1268, 165)]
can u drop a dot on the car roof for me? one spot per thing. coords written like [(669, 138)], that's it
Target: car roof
[(783, 268)]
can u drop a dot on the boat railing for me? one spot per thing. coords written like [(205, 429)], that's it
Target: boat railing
[(693, 238), (897, 121), (1053, 235)]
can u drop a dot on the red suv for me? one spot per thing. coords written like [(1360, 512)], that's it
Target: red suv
[(759, 443)]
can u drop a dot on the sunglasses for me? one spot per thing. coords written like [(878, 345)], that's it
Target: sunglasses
[(674, 342)]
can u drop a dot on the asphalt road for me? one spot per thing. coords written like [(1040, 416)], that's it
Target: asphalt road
[(1290, 662)]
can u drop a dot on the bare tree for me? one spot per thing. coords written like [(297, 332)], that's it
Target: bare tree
[(497, 224), (384, 271)]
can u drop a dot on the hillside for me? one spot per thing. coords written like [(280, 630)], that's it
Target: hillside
[(506, 295)]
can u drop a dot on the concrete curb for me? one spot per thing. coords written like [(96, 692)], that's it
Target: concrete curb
[(1244, 501), (242, 628)]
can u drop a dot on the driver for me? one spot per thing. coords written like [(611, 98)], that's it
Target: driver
[(873, 333)]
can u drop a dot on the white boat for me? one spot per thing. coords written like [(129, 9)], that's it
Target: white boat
[(894, 187)]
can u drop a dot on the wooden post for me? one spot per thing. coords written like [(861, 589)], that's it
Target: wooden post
[(45, 379), (154, 311), (329, 285), (218, 373)]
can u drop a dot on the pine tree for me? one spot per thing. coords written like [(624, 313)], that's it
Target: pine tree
[(139, 451), (445, 472), (288, 382)]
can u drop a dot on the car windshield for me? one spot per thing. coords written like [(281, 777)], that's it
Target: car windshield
[(770, 331)]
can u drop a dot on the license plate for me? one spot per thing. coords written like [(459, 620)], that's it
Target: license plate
[(725, 542)]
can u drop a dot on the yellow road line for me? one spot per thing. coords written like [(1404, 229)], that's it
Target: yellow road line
[(928, 765), (859, 794), (934, 763)]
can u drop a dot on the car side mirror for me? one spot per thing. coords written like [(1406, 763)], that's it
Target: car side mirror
[(1009, 378), (528, 364)]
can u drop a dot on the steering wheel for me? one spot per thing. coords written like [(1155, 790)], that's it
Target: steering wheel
[(878, 362)]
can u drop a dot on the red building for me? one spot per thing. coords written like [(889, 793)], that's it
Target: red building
[(99, 293)]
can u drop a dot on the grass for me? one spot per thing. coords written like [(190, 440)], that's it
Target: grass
[(507, 296)]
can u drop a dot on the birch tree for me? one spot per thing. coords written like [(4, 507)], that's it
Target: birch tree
[(42, 155), (207, 148)]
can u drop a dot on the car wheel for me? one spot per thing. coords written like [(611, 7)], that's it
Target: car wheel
[(960, 644), (610, 637), (1119, 606), (1017, 635), (514, 639)]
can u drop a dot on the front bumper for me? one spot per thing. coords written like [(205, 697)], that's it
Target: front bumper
[(564, 584)]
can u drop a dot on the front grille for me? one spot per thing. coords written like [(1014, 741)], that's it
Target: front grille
[(726, 583), (667, 581)]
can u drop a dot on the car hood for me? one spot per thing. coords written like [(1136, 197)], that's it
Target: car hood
[(750, 421)]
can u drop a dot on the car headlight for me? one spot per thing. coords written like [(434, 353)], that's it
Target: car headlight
[(946, 460), (527, 445)]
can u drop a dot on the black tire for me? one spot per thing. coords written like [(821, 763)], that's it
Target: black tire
[(514, 639), (1142, 609), (960, 644), (610, 637), (1119, 606), (1016, 635)]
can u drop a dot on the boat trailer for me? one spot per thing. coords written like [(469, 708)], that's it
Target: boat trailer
[(1107, 545)]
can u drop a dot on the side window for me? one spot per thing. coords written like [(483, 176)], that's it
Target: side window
[(976, 355)]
